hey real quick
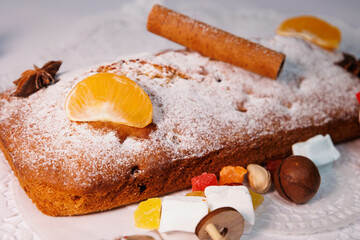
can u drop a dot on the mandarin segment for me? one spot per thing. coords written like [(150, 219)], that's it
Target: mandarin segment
[(109, 97), (231, 174), (147, 214), (313, 29)]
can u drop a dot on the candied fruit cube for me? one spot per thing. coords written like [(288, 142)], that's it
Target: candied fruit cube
[(237, 197), (199, 183), (147, 214), (358, 96), (231, 174), (180, 213), (196, 194), (256, 198)]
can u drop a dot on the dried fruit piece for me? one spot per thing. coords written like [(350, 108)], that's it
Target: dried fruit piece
[(256, 198), (109, 97), (358, 96), (180, 213), (320, 149), (313, 29), (147, 214), (237, 197), (196, 194), (231, 174), (272, 166), (199, 183)]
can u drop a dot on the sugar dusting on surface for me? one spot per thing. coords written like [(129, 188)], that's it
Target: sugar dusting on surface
[(218, 104)]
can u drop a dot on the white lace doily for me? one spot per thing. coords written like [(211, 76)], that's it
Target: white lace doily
[(12, 225)]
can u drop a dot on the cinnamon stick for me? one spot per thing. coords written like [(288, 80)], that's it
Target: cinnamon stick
[(214, 42)]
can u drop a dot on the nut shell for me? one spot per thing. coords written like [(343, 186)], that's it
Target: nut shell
[(297, 179), (259, 178)]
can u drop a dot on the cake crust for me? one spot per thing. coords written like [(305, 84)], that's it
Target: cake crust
[(207, 114)]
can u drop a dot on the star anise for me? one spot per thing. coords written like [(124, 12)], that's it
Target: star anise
[(32, 80), (350, 64)]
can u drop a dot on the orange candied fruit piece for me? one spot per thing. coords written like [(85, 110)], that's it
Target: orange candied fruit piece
[(313, 29), (109, 97), (231, 174)]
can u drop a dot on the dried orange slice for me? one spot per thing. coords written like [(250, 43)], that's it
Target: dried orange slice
[(109, 97), (313, 29)]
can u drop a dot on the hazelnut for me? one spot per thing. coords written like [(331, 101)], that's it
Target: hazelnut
[(259, 178), (297, 179)]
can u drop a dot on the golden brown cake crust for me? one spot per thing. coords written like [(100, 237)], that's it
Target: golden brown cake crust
[(175, 175), (207, 114)]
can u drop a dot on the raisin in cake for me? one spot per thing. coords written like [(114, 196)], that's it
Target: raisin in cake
[(207, 114)]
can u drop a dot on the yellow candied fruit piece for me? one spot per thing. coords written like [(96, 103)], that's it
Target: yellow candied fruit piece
[(256, 198), (231, 174), (147, 214), (196, 194)]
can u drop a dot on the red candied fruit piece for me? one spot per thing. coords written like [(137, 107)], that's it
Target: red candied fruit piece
[(199, 183), (273, 165), (358, 96)]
